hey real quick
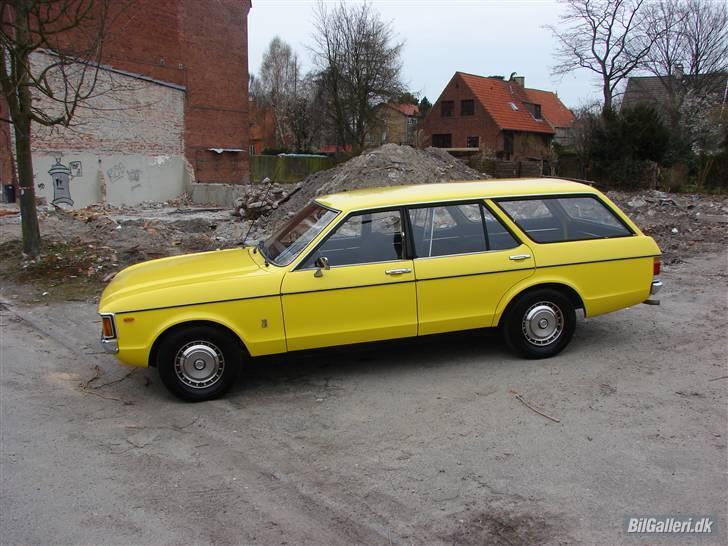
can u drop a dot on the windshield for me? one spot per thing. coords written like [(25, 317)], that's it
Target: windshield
[(288, 242)]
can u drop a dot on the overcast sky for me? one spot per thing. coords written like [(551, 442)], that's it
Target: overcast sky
[(484, 37)]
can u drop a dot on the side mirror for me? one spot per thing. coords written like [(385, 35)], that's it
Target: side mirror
[(322, 262)]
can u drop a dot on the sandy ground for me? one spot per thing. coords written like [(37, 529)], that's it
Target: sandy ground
[(413, 442)]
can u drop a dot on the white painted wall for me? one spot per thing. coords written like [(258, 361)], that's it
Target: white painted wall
[(119, 179)]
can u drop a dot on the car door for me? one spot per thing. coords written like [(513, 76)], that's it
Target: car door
[(465, 261), (366, 294)]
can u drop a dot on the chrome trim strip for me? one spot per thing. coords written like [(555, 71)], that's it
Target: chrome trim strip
[(397, 282)]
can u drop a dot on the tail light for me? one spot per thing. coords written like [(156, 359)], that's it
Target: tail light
[(107, 327), (656, 265)]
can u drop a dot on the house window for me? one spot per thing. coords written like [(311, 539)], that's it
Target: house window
[(508, 143), (467, 107), (473, 142), (446, 108), (537, 111), (442, 141)]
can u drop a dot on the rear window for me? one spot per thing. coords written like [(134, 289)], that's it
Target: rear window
[(559, 219)]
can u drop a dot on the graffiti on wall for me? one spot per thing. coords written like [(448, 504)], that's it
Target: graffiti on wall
[(61, 180), (116, 172)]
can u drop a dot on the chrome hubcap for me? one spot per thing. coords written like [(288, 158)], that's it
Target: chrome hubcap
[(199, 364), (543, 323)]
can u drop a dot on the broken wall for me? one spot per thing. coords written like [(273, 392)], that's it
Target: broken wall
[(126, 145)]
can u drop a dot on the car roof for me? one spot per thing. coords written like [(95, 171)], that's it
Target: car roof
[(449, 191)]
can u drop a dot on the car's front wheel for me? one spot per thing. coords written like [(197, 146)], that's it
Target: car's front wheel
[(198, 363), (540, 323)]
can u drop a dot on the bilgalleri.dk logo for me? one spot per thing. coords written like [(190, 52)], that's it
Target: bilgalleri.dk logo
[(677, 525)]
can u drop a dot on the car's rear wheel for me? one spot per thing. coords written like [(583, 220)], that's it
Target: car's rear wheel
[(198, 363), (540, 323)]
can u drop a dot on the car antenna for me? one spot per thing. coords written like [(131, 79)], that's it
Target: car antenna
[(252, 224)]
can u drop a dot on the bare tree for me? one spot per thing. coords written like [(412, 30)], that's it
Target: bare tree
[(306, 111), (279, 75), (48, 92), (690, 56), (255, 89), (359, 59), (605, 37)]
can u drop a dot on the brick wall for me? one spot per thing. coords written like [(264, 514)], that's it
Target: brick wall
[(204, 47), (480, 124), (126, 116)]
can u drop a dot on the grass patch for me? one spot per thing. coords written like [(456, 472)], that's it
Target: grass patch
[(66, 270)]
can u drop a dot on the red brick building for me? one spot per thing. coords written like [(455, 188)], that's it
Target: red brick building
[(495, 115), (188, 48)]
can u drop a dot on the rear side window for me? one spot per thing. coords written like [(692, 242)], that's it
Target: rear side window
[(559, 219), (466, 228)]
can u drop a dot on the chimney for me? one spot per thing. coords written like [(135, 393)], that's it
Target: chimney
[(520, 80), (677, 72)]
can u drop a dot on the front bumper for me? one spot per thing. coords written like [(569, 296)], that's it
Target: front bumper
[(111, 346)]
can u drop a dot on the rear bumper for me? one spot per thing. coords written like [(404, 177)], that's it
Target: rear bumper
[(656, 287)]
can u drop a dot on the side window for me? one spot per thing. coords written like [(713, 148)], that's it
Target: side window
[(499, 238), (559, 219), (447, 229), (363, 238)]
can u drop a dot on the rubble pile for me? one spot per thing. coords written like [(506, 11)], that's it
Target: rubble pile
[(262, 199), (682, 224), (92, 244), (388, 165)]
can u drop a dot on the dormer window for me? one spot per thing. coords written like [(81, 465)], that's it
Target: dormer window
[(537, 111)]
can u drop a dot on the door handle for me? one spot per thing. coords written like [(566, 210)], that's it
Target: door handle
[(519, 257), (398, 271)]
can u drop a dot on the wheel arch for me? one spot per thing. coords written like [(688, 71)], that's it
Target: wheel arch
[(152, 362), (509, 299)]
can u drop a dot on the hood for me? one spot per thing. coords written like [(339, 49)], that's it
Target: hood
[(186, 280)]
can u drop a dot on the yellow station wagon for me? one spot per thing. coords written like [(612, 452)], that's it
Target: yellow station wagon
[(385, 263)]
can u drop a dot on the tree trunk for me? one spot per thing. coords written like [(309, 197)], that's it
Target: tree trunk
[(607, 93), (28, 212)]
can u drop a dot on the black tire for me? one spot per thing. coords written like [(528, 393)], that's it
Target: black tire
[(199, 363), (548, 330)]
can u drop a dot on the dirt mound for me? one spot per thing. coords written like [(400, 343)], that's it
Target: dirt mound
[(682, 224), (389, 165)]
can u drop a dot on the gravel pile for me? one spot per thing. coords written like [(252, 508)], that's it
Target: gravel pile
[(388, 165)]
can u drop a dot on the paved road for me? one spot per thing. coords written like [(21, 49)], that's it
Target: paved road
[(404, 443)]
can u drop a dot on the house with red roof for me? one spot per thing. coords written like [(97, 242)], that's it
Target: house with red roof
[(498, 116), (396, 123)]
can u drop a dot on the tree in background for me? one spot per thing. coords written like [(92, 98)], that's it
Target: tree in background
[(425, 106), (637, 134), (359, 59), (306, 115), (690, 56), (408, 97), (279, 77), (47, 93), (605, 37)]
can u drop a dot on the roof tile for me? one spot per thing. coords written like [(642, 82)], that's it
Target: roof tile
[(504, 101)]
